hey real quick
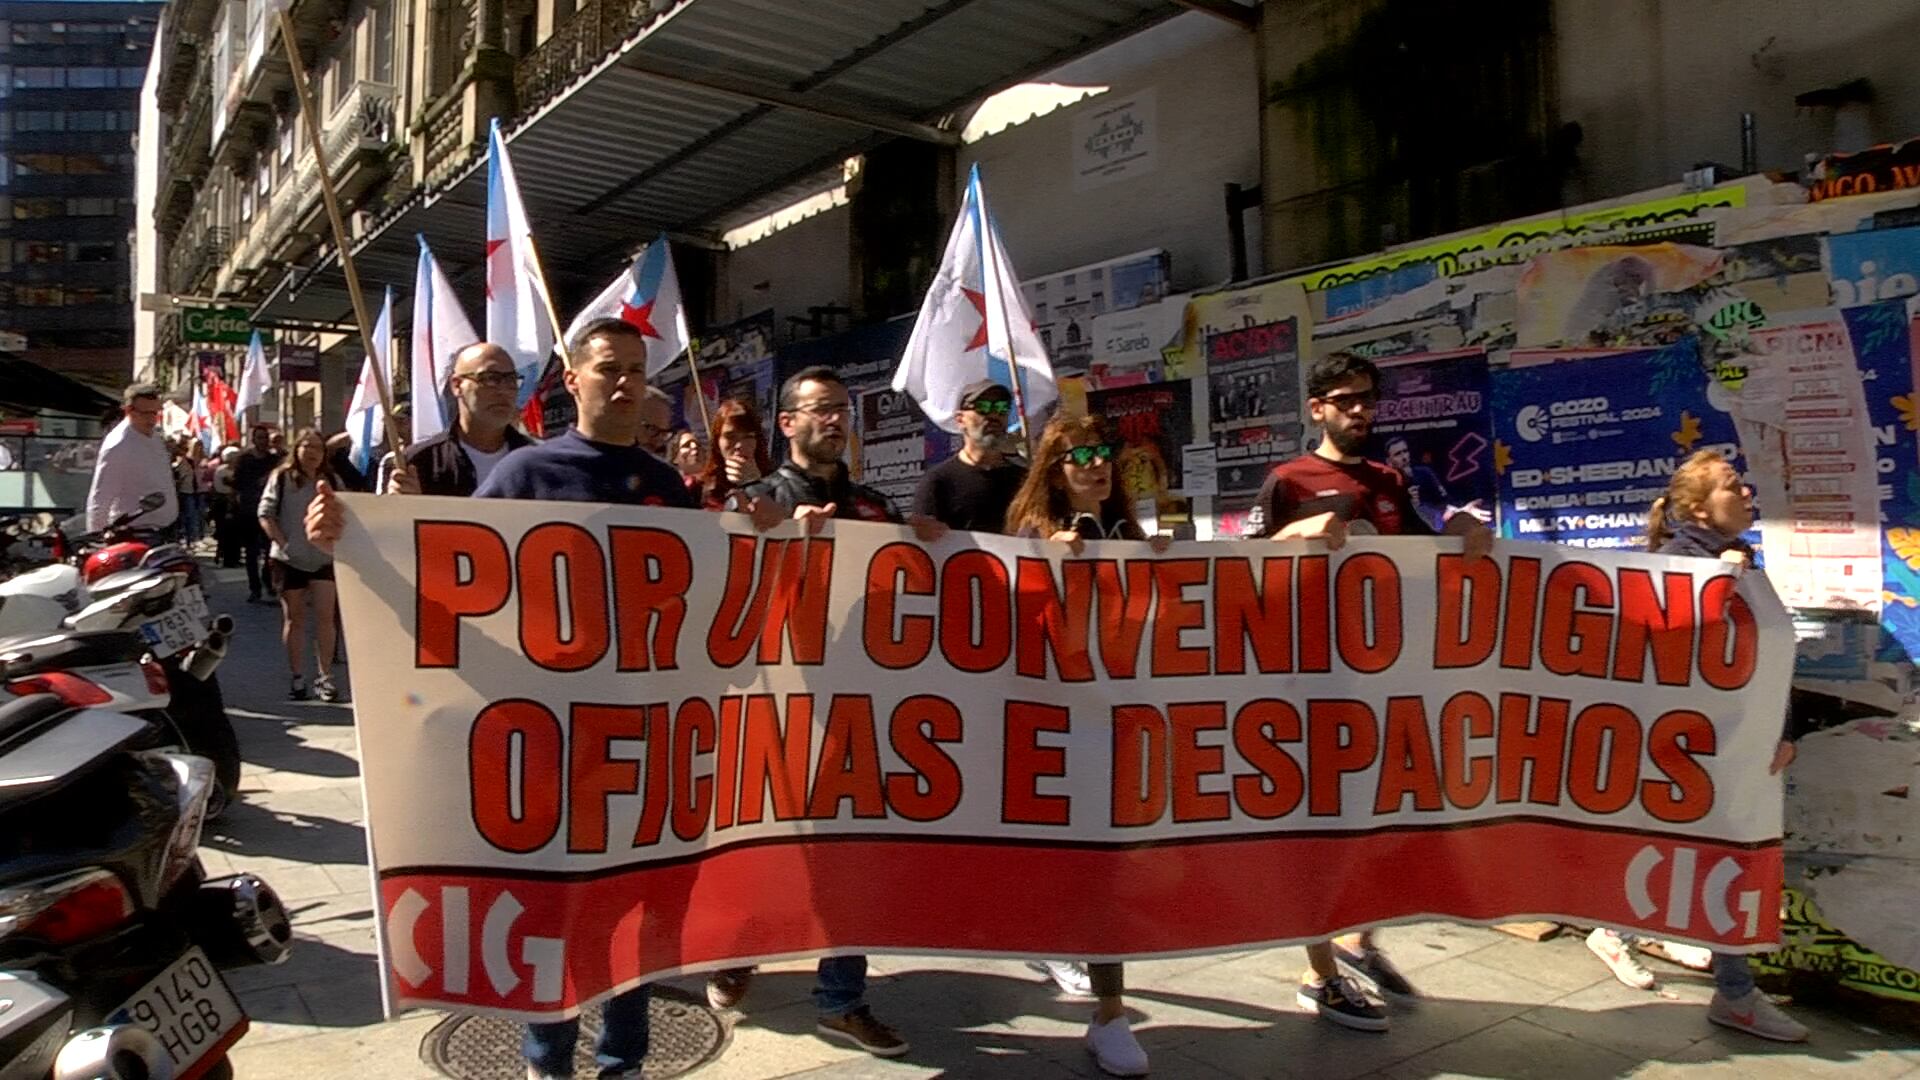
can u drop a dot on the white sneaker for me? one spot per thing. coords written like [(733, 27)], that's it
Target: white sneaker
[(1071, 978), (1115, 1049), (1756, 1015), (1613, 952)]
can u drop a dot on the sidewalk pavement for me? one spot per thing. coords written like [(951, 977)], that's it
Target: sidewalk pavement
[(1493, 1005)]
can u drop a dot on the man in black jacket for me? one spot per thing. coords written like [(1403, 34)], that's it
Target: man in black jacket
[(813, 483), (454, 462)]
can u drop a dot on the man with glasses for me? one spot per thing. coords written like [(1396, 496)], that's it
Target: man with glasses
[(457, 461), (656, 422), (1322, 496), (133, 463), (811, 486), (972, 489)]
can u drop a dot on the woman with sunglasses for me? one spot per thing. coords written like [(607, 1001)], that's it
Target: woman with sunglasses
[(1070, 497)]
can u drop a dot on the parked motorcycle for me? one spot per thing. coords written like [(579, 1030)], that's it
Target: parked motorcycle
[(125, 582), (112, 938)]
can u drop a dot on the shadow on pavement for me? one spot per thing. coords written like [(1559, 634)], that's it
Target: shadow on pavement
[(270, 742), (251, 831)]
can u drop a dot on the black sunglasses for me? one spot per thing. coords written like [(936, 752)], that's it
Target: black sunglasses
[(1098, 454), (992, 407)]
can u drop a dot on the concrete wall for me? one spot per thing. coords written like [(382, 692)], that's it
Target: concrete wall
[(1206, 86), (1658, 85), (796, 268)]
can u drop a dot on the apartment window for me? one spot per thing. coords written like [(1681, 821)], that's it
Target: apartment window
[(39, 78), (289, 133), (343, 70), (80, 296), (30, 251), (36, 209), (131, 77), (91, 78), (92, 207), (38, 296), (6, 81), (246, 205), (263, 182), (39, 120), (381, 64), (95, 253)]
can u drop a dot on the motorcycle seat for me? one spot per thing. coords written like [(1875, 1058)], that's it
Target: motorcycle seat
[(63, 650)]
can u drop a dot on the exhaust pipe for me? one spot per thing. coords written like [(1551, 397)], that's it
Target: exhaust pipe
[(120, 1052), (208, 655), (241, 921), (223, 625)]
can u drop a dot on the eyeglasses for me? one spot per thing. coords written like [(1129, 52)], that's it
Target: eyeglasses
[(492, 380), (1365, 399), (1087, 456), (821, 410), (992, 407)]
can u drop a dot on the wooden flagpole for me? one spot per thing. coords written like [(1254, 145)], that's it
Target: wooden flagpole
[(699, 387), (310, 118), (1006, 326)]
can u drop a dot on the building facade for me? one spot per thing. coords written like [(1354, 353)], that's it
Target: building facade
[(70, 78)]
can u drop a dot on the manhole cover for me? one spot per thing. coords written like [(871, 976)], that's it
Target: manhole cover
[(684, 1035)]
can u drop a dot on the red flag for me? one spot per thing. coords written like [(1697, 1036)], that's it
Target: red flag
[(221, 400)]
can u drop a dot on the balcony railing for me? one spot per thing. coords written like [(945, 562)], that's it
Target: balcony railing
[(180, 59), (597, 28), (196, 255)]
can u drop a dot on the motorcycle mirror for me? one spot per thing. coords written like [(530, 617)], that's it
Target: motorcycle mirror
[(152, 500)]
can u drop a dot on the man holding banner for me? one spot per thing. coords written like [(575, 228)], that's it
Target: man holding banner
[(1321, 495), (457, 461)]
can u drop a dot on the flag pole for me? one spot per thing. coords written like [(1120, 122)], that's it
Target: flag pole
[(990, 243), (309, 116), (699, 387)]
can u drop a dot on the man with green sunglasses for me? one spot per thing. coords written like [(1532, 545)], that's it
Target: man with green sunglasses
[(972, 489)]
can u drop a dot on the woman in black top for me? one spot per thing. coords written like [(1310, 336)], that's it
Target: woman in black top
[(1070, 496)]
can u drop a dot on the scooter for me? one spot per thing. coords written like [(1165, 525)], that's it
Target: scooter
[(153, 590), (112, 938)]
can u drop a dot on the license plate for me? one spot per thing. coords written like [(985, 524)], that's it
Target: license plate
[(190, 1010), (172, 632)]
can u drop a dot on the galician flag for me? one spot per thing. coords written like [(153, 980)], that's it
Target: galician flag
[(255, 379), (440, 329), (365, 426), (200, 421), (647, 295), (518, 318), (975, 325)]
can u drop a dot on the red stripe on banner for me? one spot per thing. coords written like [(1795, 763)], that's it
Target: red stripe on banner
[(917, 895)]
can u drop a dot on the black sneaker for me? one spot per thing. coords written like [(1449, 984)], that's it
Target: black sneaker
[(1342, 1001), (298, 691), (1373, 966)]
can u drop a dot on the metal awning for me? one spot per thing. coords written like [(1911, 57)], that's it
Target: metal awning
[(719, 111)]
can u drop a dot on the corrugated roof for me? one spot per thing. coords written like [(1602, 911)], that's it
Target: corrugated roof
[(622, 154)]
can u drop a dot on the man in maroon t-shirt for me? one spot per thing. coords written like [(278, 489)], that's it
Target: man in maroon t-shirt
[(1325, 495)]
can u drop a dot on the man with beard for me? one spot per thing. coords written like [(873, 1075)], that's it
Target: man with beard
[(1322, 496), (972, 489)]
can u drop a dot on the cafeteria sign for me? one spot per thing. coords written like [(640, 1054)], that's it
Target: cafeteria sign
[(221, 326)]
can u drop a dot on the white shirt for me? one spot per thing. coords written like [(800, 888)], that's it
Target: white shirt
[(130, 467), (483, 462)]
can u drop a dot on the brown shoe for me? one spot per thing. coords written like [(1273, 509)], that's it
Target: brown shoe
[(726, 988), (862, 1030)]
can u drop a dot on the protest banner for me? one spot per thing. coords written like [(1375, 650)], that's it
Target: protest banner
[(603, 744)]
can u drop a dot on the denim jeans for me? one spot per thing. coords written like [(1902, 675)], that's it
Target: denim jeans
[(841, 985), (1731, 975), (623, 1036)]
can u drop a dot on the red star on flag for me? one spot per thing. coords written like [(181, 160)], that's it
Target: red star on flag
[(979, 301), (641, 317), (492, 246)]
